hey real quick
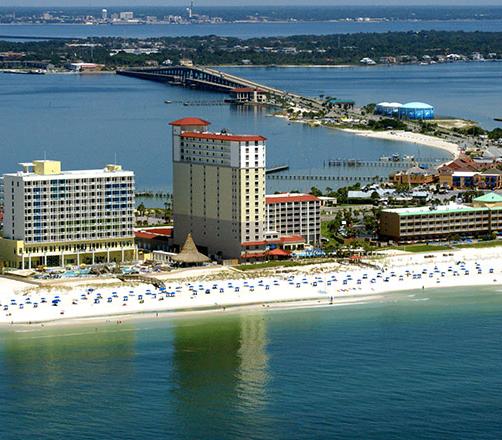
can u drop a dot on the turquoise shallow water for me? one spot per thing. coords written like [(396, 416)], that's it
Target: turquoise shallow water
[(421, 365)]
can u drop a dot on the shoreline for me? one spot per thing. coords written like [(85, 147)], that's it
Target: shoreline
[(408, 136), (372, 20), (336, 286), (298, 304), (287, 66)]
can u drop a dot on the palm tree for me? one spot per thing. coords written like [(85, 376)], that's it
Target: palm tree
[(141, 209)]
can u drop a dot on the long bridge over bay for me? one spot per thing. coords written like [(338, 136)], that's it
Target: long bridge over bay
[(211, 79)]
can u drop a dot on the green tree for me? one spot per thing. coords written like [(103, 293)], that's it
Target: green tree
[(495, 134), (141, 209), (315, 191)]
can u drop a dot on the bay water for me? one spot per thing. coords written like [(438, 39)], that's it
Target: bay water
[(242, 30), (90, 120)]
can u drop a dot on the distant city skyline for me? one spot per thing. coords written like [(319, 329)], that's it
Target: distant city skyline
[(205, 3)]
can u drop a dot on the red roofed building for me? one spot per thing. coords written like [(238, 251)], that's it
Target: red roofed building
[(244, 95), (279, 253), (154, 239), (218, 188), (295, 214), (460, 172), (280, 247), (166, 231), (219, 197), (190, 122)]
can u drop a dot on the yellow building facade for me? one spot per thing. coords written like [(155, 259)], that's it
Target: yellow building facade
[(56, 218), (218, 188)]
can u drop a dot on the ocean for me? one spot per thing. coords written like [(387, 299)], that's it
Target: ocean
[(421, 365), (88, 120)]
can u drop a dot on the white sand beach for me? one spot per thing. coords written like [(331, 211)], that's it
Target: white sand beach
[(21, 303), (407, 136)]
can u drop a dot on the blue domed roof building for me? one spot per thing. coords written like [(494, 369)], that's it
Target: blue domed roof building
[(416, 110), (388, 108)]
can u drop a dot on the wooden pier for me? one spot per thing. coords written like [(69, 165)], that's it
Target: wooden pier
[(277, 169), (199, 103), (381, 163), (328, 178)]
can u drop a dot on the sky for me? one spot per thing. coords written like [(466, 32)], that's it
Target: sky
[(104, 3)]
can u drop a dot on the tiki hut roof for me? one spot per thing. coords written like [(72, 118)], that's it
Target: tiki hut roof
[(189, 253)]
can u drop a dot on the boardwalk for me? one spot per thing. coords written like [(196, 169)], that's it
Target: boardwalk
[(327, 178), (382, 163)]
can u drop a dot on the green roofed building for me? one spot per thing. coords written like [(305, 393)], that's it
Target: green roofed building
[(491, 199), (482, 217)]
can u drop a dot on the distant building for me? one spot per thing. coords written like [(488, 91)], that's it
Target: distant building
[(414, 176), (426, 223), (55, 218), (367, 61), (410, 110), (416, 110), (388, 60), (327, 202), (126, 15), (492, 154), (104, 14), (461, 163), (490, 179), (245, 95), (85, 67), (345, 104), (295, 214), (388, 108)]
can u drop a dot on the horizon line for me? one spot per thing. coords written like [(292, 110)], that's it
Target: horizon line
[(420, 5)]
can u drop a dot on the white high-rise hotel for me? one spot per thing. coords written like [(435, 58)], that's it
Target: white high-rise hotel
[(55, 217), (218, 187)]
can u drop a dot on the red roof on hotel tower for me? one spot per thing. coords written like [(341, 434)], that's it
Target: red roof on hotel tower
[(290, 198), (189, 121)]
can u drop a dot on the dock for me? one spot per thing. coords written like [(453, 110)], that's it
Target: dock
[(382, 163), (277, 169), (328, 178), (199, 103)]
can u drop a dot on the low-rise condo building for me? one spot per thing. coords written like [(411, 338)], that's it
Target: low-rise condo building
[(414, 176), (489, 179), (482, 217), (295, 214), (55, 217)]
